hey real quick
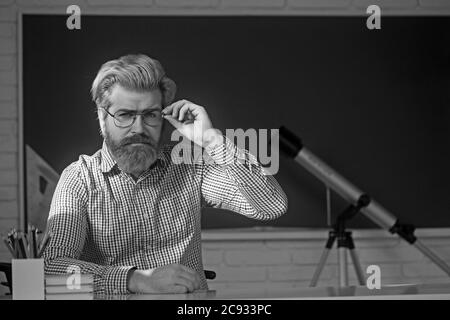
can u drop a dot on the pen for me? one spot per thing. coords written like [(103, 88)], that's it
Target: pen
[(22, 245), (9, 246), (33, 241), (29, 242), (45, 242)]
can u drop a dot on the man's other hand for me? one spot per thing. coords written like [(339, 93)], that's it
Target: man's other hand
[(173, 278)]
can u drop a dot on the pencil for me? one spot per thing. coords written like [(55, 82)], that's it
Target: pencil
[(45, 242), (22, 246), (9, 246), (34, 243)]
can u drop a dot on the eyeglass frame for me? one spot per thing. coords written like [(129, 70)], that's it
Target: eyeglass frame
[(134, 118)]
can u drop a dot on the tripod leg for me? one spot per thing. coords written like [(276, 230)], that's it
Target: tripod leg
[(342, 264), (357, 267), (319, 268), (354, 256), (323, 259)]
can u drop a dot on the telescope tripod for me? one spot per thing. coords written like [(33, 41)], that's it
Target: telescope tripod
[(344, 244), (293, 147)]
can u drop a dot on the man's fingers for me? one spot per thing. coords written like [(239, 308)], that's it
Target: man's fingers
[(194, 280), (176, 107), (172, 121), (192, 275), (188, 270), (169, 109), (182, 112), (183, 280)]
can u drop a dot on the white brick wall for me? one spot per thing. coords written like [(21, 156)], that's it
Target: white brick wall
[(264, 262), (271, 263)]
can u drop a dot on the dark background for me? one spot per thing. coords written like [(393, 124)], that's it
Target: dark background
[(374, 105)]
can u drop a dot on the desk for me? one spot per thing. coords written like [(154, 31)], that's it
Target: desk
[(391, 292)]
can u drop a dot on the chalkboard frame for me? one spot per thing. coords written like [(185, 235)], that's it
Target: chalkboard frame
[(22, 192)]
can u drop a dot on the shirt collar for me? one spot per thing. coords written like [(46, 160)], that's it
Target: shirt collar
[(108, 163)]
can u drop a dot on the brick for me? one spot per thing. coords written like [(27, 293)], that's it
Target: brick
[(212, 257), (310, 256), (8, 110), (377, 243), (8, 143), (8, 127), (441, 251), (6, 224), (9, 209), (8, 14), (6, 2), (253, 3), (8, 161), (7, 46), (120, 2), (8, 177), (232, 245), (306, 283), (319, 4), (7, 62), (290, 273), (186, 3), (436, 242), (7, 29), (387, 271), (268, 285), (285, 244), (7, 93), (257, 257), (376, 256), (8, 193), (431, 280), (386, 4), (65, 3), (240, 274), (434, 3), (421, 270), (8, 77)]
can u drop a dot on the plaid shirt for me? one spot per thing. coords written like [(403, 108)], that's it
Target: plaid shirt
[(106, 223)]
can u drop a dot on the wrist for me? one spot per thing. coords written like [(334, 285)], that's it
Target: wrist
[(131, 280), (212, 138)]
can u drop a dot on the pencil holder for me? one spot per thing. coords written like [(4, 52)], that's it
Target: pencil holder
[(28, 279)]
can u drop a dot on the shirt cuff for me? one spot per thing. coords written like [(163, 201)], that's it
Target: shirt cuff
[(115, 280), (226, 153)]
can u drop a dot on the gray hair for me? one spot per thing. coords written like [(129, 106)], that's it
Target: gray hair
[(134, 72)]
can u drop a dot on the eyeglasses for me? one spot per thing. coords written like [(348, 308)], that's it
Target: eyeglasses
[(125, 119)]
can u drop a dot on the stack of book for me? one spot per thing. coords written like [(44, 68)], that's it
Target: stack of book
[(73, 286)]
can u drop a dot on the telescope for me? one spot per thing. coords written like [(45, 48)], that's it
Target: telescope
[(293, 147)]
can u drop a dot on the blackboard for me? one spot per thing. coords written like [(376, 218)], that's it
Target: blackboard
[(373, 104)]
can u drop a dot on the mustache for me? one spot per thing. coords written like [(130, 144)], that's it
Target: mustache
[(138, 138)]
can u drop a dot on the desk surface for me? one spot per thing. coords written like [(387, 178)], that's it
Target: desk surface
[(422, 291), (391, 292)]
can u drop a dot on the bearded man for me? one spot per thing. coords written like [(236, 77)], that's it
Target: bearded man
[(128, 214)]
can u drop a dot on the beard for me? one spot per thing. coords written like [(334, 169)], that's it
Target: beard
[(133, 158)]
